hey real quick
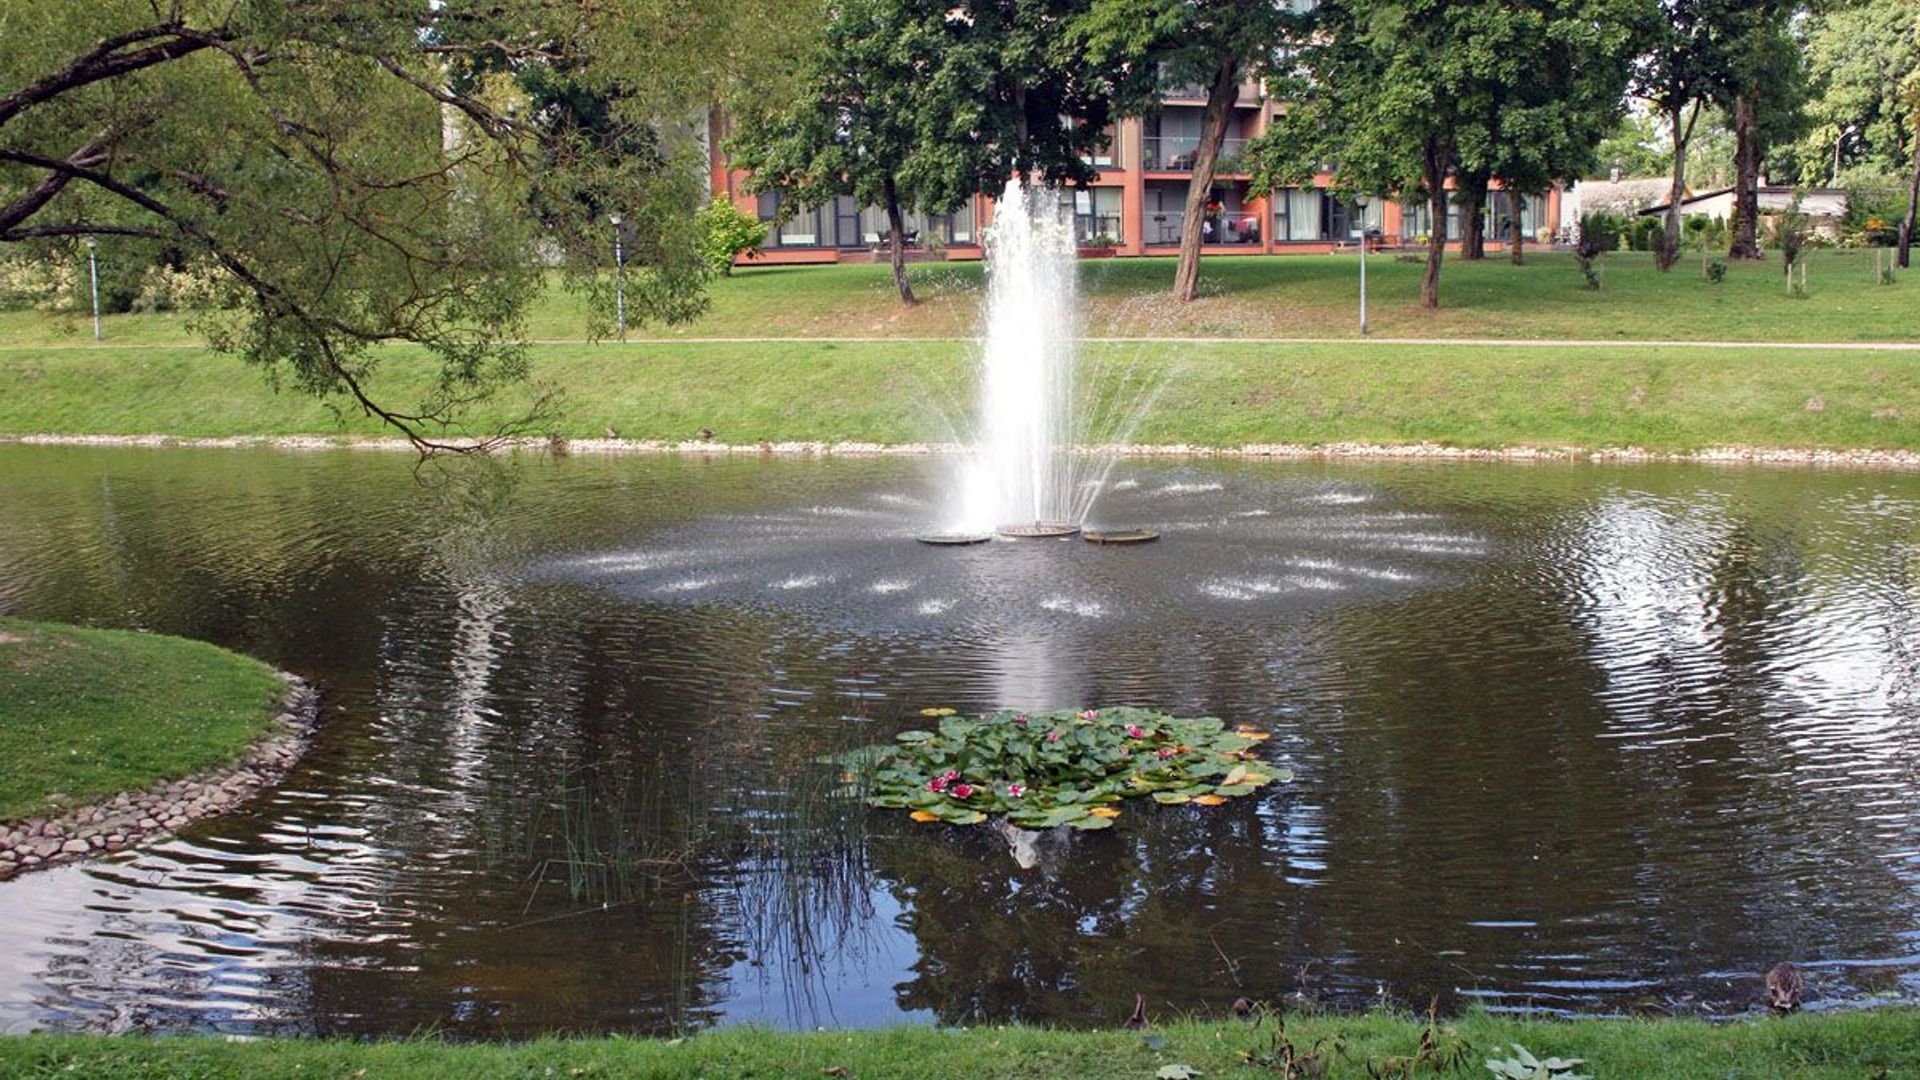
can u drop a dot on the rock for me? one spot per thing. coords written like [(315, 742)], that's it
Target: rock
[(74, 847)]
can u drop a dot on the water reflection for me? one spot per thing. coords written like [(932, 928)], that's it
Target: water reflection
[(1566, 738)]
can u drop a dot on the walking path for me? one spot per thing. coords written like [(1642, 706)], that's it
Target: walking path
[(1499, 343)]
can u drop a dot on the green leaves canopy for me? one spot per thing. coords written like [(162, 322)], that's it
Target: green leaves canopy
[(362, 171)]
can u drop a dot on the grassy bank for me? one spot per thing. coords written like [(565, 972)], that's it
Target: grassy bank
[(1856, 1046), (1219, 394), (88, 713), (1248, 296)]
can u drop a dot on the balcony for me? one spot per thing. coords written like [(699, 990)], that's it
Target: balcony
[(1228, 227), (1176, 153)]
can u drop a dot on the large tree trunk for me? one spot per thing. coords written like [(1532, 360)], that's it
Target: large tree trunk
[(1213, 131), (1913, 205), (1669, 252), (1472, 191), (1516, 202), (897, 227), (1434, 175), (1746, 182)]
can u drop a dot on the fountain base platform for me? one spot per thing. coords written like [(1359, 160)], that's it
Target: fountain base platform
[(1120, 536), (1039, 530), (954, 539)]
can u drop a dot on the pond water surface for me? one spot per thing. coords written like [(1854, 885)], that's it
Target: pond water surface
[(1566, 738)]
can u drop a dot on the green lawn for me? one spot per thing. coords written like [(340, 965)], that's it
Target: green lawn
[(1849, 1046), (1216, 394), (89, 713), (1249, 296)]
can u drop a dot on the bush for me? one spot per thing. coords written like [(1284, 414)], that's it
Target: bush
[(726, 232), (1645, 234), (1717, 271), (1599, 234)]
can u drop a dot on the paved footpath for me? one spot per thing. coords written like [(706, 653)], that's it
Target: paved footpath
[(1478, 343)]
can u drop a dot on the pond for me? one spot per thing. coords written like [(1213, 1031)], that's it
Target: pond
[(1564, 738)]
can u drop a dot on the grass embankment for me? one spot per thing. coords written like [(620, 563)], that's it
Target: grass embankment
[(1249, 296), (1221, 394), (89, 713), (1856, 1046)]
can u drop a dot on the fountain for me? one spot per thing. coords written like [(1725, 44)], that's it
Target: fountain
[(1023, 478)]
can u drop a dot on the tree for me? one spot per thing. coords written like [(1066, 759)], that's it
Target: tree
[(1684, 72), (1554, 101), (1764, 92), (913, 106), (1218, 44), (356, 170), (852, 128), (1858, 56), (1635, 146)]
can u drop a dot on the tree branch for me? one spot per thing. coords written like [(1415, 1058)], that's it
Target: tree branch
[(105, 61)]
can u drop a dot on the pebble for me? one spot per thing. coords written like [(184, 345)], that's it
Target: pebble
[(130, 817)]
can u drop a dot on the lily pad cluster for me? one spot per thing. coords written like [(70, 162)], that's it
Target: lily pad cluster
[(1047, 769)]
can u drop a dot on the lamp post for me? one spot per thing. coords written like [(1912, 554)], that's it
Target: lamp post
[(93, 274), (1360, 204), (619, 278)]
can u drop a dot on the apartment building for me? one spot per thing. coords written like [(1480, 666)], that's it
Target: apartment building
[(1137, 205)]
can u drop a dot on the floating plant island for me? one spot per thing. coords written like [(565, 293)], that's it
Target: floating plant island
[(1043, 770)]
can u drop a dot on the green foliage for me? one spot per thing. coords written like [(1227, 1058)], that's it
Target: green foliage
[(727, 232), (1635, 146), (363, 171), (1524, 1066), (1860, 55), (1048, 769), (1716, 271)]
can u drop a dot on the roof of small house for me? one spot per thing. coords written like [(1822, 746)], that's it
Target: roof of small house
[(1763, 189), (1622, 196)]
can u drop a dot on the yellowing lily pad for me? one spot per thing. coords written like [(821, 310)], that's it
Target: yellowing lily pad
[(924, 815), (1209, 800), (1104, 811)]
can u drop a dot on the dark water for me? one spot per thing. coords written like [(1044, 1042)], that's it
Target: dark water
[(1566, 738)]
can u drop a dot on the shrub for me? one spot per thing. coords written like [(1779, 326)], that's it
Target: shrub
[(1717, 271), (726, 232), (1599, 234)]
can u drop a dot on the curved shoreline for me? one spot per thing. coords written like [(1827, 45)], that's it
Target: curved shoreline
[(130, 818), (1859, 458)]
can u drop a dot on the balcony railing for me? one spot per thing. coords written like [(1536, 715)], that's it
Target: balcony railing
[(1163, 227), (1097, 228), (1176, 153)]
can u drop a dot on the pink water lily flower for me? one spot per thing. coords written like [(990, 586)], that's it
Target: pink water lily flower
[(1021, 719), (1053, 736), (938, 783), (1090, 714), (962, 791), (1136, 731), (1165, 752), (1015, 791)]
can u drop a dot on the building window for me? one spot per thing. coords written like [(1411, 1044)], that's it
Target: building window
[(1096, 215)]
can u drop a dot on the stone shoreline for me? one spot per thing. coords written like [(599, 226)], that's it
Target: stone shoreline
[(1722, 455), (132, 817)]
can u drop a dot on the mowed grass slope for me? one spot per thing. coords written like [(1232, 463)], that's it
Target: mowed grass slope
[(1210, 394), (1850, 1046), (90, 713), (1248, 296)]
